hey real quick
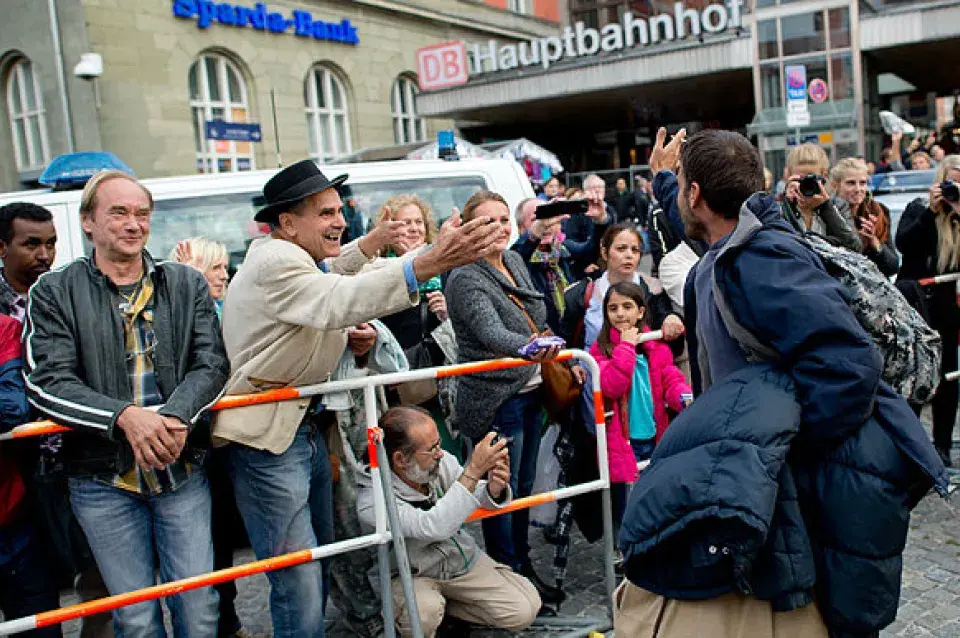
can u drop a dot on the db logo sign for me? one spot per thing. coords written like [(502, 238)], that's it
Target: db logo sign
[(442, 65)]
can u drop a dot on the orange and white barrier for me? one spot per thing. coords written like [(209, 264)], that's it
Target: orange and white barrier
[(939, 279), (385, 508)]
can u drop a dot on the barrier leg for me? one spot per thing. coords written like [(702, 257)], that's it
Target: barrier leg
[(608, 548), (386, 591), (399, 546)]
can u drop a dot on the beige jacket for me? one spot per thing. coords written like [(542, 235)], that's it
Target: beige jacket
[(284, 324)]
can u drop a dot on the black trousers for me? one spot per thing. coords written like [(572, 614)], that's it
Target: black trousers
[(944, 402)]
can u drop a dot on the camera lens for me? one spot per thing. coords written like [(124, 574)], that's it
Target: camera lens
[(809, 185), (951, 191)]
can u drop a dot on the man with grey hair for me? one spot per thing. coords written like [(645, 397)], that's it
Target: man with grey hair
[(525, 214), (583, 232), (127, 351), (452, 576), (298, 303)]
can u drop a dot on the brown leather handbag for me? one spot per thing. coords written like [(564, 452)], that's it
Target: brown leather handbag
[(560, 389)]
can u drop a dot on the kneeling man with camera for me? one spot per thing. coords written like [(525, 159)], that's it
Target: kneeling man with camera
[(435, 495)]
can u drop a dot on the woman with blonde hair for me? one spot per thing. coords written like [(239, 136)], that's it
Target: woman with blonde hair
[(815, 210), (210, 258), (848, 181), (928, 237)]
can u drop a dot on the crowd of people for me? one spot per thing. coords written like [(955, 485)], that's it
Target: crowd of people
[(774, 493)]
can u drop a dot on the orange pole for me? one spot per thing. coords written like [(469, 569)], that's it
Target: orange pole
[(493, 364), (37, 428), (244, 400), (512, 506), (57, 616)]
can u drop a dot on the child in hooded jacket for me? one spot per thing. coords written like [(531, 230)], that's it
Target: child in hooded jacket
[(639, 381)]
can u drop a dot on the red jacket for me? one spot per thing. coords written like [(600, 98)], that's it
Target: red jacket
[(667, 383), (13, 411)]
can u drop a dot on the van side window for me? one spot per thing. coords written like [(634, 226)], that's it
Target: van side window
[(225, 218), (228, 218)]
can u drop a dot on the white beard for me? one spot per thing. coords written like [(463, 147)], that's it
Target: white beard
[(419, 475)]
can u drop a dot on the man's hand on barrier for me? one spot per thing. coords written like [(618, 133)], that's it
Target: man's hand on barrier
[(498, 479), (458, 244), (154, 445)]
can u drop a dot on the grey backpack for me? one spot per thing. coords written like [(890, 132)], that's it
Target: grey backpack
[(910, 348)]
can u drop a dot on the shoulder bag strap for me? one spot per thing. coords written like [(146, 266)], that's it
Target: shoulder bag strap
[(519, 303)]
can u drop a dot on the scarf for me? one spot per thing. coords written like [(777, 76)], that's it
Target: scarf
[(556, 279), (434, 284)]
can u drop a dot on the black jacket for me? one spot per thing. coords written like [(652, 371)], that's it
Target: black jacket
[(75, 363), (918, 241)]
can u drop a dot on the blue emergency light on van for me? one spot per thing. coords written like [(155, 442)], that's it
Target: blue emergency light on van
[(72, 170)]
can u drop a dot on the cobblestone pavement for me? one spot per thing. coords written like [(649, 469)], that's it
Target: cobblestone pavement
[(930, 600)]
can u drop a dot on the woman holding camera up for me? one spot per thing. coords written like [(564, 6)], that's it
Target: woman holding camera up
[(808, 206), (848, 181), (928, 237)]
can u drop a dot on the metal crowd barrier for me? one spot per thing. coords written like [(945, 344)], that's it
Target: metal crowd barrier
[(385, 508), (943, 279)]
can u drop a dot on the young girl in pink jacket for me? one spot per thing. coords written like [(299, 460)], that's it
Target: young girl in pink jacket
[(639, 382)]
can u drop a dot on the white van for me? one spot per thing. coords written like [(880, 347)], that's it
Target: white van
[(222, 206)]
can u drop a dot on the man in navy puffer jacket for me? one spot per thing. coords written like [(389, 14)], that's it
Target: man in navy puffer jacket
[(779, 502)]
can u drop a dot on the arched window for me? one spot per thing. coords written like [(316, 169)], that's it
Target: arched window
[(218, 92), (328, 125), (407, 127), (25, 107)]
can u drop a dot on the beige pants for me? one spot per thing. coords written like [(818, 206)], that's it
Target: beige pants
[(490, 594), (641, 614)]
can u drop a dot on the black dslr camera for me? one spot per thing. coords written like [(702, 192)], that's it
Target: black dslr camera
[(809, 185), (950, 191)]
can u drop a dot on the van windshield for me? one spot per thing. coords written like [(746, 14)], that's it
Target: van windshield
[(228, 218)]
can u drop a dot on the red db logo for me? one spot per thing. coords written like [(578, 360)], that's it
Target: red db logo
[(442, 65)]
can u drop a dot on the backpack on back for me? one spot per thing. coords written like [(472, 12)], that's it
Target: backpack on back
[(910, 348)]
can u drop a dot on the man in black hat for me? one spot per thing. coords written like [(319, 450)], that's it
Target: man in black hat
[(287, 319)]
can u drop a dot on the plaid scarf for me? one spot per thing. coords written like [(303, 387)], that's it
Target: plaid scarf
[(556, 279)]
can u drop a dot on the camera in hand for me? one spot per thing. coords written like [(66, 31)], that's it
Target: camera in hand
[(950, 191), (562, 207), (809, 185)]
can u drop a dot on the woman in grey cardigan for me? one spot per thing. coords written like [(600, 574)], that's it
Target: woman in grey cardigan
[(484, 300)]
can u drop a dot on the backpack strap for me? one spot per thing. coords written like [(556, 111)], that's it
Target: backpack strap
[(748, 342)]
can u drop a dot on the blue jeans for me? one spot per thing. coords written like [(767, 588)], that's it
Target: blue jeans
[(127, 531), (505, 536), (26, 585), (286, 501)]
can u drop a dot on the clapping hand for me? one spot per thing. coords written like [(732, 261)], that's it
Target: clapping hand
[(666, 157)]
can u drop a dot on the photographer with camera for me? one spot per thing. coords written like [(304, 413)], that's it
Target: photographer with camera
[(807, 205), (928, 238), (848, 181)]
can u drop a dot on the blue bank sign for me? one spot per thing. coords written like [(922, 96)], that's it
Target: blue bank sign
[(257, 17)]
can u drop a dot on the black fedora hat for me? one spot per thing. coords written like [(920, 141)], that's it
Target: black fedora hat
[(292, 185)]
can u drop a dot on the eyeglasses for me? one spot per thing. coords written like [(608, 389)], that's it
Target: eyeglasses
[(432, 450)]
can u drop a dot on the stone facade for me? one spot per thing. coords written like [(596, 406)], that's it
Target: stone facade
[(140, 108)]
